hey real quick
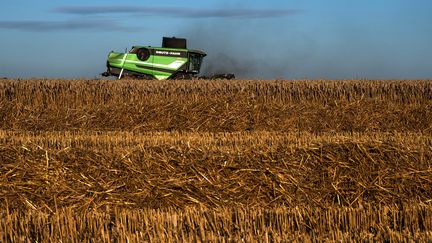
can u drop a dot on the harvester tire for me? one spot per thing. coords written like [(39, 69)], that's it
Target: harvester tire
[(143, 54)]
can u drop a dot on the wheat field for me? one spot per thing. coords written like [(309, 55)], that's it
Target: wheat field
[(219, 161)]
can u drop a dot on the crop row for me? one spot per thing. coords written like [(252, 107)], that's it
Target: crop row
[(305, 224), (217, 106)]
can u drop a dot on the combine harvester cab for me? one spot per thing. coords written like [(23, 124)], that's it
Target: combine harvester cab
[(171, 61)]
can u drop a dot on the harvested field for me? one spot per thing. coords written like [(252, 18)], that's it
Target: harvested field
[(222, 225), (213, 170), (215, 160), (217, 106)]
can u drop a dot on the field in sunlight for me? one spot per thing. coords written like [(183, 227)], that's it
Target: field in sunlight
[(197, 160)]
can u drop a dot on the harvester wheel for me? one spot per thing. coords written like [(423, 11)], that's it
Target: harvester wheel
[(143, 54)]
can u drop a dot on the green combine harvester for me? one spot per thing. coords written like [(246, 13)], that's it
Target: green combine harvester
[(171, 61)]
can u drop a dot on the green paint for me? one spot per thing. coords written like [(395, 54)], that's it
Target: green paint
[(160, 63)]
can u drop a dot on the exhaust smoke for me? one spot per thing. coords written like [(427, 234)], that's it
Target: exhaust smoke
[(246, 47), (245, 55)]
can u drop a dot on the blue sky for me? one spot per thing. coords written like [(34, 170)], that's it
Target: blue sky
[(329, 39)]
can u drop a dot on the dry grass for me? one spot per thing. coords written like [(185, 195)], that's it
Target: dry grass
[(160, 170), (300, 224), (215, 160), (217, 106)]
